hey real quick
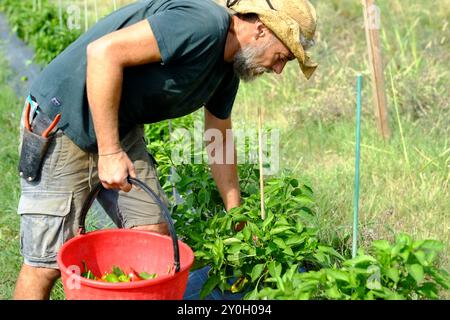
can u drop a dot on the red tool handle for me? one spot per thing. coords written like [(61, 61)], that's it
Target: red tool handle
[(52, 126), (27, 116)]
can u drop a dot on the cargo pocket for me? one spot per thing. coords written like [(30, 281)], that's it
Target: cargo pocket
[(42, 224)]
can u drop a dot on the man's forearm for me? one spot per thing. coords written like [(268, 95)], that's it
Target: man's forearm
[(226, 178), (224, 174)]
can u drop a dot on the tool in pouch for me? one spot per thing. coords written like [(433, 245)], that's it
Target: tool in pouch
[(35, 141)]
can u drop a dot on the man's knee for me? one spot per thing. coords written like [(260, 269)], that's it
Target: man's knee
[(43, 273), (35, 283), (161, 228)]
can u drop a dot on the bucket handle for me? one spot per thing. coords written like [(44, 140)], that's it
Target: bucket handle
[(93, 194)]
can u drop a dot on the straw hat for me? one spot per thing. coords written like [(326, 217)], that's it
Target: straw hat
[(288, 20)]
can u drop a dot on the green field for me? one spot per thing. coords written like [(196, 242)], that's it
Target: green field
[(404, 181)]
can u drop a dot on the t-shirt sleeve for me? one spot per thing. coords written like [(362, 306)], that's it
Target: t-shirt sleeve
[(221, 103), (182, 35)]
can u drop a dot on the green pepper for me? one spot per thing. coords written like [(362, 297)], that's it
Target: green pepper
[(144, 275), (87, 273), (124, 278), (111, 277), (239, 284)]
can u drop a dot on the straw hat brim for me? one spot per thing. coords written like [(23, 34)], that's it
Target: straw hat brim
[(286, 29)]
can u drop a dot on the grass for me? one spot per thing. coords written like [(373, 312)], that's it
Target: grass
[(404, 181), (10, 259)]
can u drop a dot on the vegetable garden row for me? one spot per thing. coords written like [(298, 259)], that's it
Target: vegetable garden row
[(281, 257)]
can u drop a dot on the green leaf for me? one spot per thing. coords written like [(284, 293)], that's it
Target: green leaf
[(330, 250), (403, 239), (252, 295), (256, 271), (280, 243), (294, 183), (416, 271), (338, 275), (296, 192), (274, 269), (429, 290), (304, 199), (333, 293), (117, 271), (360, 261), (441, 277), (373, 284), (289, 251), (278, 230), (381, 245), (295, 240), (432, 245), (267, 221), (390, 295), (393, 274), (209, 286), (308, 188), (421, 258), (247, 233), (203, 196)]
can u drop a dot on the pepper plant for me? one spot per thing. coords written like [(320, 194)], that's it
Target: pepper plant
[(402, 270)]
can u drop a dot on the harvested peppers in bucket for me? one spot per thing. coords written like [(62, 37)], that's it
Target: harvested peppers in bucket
[(118, 275)]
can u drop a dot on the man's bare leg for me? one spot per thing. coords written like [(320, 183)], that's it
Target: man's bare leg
[(159, 228), (35, 283)]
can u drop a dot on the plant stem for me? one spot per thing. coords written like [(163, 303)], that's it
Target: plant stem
[(394, 95), (261, 175)]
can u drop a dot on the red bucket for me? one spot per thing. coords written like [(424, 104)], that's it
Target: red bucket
[(166, 256)]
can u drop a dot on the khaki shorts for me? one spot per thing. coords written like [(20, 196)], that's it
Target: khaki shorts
[(50, 208)]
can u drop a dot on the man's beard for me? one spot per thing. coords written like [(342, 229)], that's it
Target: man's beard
[(245, 65)]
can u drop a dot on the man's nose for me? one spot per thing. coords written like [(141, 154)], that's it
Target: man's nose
[(278, 67)]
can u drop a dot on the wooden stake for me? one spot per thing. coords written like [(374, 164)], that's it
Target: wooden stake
[(261, 168), (86, 20), (96, 10), (372, 26)]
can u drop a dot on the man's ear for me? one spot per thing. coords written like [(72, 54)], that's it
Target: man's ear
[(260, 29)]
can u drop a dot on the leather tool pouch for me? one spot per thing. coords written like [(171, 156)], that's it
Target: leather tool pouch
[(34, 148)]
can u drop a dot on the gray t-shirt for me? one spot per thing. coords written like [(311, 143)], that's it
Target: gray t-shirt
[(191, 36)]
